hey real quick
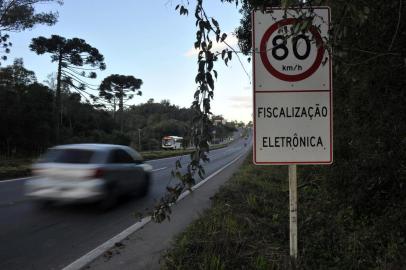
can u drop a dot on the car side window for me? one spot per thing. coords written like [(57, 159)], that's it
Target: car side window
[(136, 156), (121, 156)]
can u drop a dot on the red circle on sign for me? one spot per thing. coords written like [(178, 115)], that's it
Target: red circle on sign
[(280, 75)]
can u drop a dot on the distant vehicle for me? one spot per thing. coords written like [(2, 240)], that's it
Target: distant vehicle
[(88, 173), (172, 142)]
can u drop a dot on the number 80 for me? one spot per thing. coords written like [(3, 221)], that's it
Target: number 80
[(282, 46)]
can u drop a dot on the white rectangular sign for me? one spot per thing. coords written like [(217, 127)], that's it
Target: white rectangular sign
[(292, 88)]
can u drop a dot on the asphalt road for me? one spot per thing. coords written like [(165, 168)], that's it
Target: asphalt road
[(34, 238)]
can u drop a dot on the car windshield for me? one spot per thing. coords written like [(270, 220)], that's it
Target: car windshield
[(76, 156)]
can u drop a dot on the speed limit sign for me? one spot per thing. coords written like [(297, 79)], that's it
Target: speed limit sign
[(286, 61), (292, 72)]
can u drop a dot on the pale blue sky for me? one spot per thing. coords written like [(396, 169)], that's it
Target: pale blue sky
[(149, 40)]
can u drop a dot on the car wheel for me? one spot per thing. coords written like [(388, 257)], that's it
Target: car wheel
[(44, 203), (110, 200)]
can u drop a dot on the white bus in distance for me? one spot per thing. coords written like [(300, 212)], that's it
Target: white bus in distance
[(172, 142)]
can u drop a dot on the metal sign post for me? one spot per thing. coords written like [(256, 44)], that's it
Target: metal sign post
[(293, 210)]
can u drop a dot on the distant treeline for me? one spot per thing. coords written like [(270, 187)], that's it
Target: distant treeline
[(27, 120)]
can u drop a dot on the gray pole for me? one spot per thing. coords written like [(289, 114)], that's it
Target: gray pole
[(293, 211)]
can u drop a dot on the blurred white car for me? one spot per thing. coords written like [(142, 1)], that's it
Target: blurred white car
[(88, 173)]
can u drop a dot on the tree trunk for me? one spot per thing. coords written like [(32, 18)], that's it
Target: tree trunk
[(58, 101), (121, 109), (114, 109)]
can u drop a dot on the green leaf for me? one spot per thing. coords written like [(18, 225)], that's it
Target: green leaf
[(210, 45), (210, 65), (197, 15), (199, 77), (216, 24), (210, 81), (201, 66), (296, 27), (204, 46), (197, 94), (223, 37), (183, 11), (207, 25)]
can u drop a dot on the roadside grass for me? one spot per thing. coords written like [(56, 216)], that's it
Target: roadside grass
[(246, 228), (14, 168)]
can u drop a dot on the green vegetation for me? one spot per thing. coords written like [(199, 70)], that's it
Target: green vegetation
[(248, 227), (34, 116), (76, 61), (119, 87), (20, 15), (15, 168), (27, 113)]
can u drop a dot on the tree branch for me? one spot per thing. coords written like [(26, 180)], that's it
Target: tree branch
[(6, 10), (78, 78), (74, 71), (228, 45), (370, 59), (81, 68), (71, 76), (397, 26)]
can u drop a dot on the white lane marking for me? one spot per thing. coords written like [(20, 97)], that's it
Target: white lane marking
[(184, 194), (92, 255), (159, 159), (16, 179), (160, 169), (98, 251)]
